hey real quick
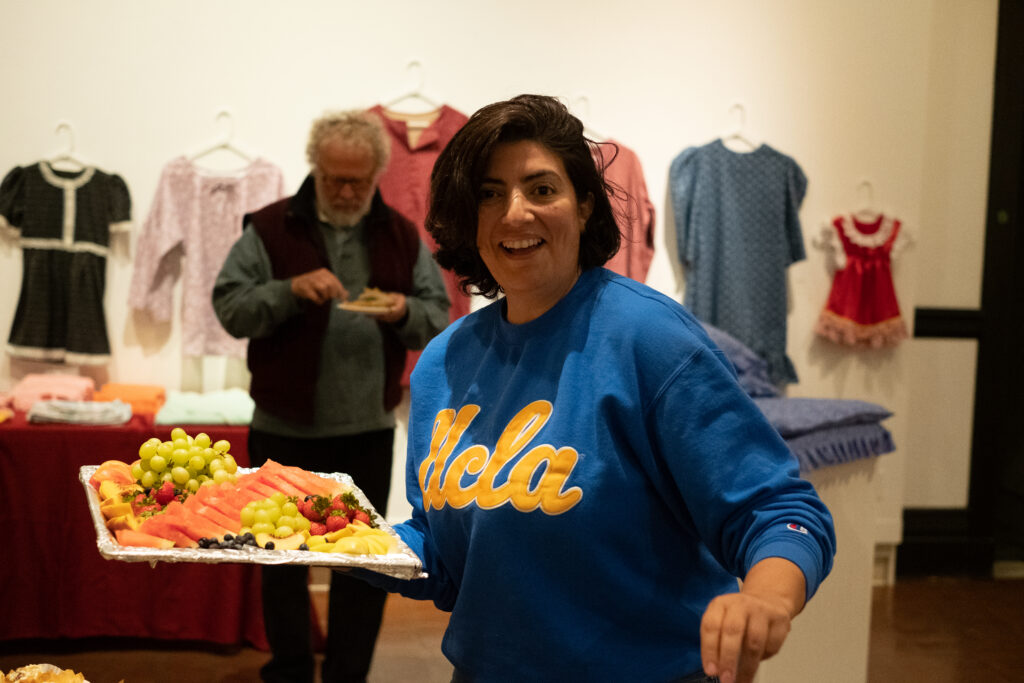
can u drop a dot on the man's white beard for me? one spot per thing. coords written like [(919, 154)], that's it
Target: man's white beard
[(343, 219)]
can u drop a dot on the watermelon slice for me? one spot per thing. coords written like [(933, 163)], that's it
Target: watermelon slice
[(306, 481), (159, 525), (230, 522)]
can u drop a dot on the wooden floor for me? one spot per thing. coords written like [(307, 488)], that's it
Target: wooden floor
[(934, 630)]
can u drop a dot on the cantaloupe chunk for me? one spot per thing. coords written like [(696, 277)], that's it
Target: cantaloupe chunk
[(138, 538)]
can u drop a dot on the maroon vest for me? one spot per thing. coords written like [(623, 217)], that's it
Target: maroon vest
[(285, 365)]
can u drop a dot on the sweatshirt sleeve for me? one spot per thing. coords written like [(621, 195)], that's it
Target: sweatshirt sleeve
[(733, 476)]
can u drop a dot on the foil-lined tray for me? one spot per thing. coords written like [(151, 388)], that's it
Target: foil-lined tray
[(403, 564)]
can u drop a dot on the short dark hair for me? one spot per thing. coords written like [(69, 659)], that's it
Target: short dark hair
[(459, 170)]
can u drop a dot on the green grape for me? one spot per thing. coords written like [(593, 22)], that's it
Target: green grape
[(148, 479), (145, 465), (167, 476), (192, 485), (208, 482), (202, 439), (232, 478), (137, 470), (263, 528), (279, 498), (180, 475), (266, 504), (203, 478), (261, 516), (158, 463), (275, 514), (289, 509), (192, 474), (178, 433), (190, 441), (209, 454), (229, 464), (147, 450), (197, 462), (286, 520), (179, 457), (181, 444), (165, 449), (247, 516), (222, 446), (283, 531), (215, 464), (220, 476), (303, 524)]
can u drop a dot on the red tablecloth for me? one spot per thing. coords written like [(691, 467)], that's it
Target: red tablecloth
[(53, 581)]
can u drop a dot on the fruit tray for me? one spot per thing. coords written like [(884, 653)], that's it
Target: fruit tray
[(403, 564)]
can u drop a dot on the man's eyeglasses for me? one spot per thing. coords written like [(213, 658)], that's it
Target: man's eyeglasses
[(336, 182)]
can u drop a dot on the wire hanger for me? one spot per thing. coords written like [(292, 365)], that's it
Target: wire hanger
[(67, 159), (866, 211), (736, 136), (224, 144), (414, 96), (582, 105)]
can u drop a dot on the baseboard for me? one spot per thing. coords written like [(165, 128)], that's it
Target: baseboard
[(942, 542)]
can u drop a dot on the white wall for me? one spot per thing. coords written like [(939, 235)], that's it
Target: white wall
[(896, 93)]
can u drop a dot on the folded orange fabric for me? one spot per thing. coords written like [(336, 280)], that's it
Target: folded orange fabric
[(145, 399)]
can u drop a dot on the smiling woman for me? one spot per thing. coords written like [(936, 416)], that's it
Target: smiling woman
[(578, 390)]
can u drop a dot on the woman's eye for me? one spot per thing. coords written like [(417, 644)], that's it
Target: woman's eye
[(545, 190), (487, 193)]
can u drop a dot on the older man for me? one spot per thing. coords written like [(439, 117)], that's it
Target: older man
[(325, 381)]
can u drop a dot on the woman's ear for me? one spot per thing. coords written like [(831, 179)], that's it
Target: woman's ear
[(586, 207)]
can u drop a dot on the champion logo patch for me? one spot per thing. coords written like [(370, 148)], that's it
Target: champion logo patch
[(796, 527)]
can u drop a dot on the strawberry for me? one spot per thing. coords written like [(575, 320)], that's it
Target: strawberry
[(317, 528), (362, 516), (165, 494), (337, 504), (336, 521), (311, 509)]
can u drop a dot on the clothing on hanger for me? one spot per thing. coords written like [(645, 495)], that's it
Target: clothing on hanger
[(633, 210), (64, 221), (195, 218), (862, 309)]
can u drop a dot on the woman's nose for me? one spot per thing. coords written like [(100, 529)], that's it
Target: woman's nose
[(518, 209)]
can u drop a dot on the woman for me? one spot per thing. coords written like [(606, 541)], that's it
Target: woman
[(586, 476)]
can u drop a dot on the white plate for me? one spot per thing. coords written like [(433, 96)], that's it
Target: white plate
[(402, 564), (362, 308)]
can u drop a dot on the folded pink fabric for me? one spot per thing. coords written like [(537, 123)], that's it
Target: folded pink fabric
[(40, 387)]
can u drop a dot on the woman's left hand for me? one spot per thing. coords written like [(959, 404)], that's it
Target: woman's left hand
[(740, 630)]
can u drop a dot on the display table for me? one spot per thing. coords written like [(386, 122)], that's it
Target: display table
[(53, 581)]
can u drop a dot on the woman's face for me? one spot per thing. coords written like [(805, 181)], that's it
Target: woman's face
[(529, 223)]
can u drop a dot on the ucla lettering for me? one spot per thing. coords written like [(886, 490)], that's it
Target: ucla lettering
[(441, 474)]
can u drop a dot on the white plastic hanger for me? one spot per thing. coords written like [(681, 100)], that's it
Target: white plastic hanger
[(225, 144), (866, 211), (67, 161), (582, 106), (736, 140), (412, 102)]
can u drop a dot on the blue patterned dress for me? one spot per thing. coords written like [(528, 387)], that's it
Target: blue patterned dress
[(738, 229)]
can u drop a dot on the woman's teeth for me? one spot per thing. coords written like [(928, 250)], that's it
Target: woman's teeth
[(521, 244)]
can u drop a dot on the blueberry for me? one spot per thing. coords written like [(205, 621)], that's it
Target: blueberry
[(303, 547), (269, 545)]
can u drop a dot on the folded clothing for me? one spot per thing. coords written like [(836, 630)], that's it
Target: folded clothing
[(145, 399), (230, 406), (81, 412), (55, 387)]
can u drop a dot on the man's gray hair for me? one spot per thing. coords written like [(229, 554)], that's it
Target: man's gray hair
[(354, 126)]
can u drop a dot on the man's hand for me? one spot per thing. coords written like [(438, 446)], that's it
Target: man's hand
[(318, 286), (396, 309), (739, 630)]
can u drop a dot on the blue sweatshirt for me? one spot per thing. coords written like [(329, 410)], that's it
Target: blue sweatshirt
[(585, 483)]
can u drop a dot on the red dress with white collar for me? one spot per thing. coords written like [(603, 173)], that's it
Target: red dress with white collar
[(862, 309)]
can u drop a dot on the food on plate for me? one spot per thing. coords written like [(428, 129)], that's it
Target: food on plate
[(42, 673), (371, 296), (275, 507)]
